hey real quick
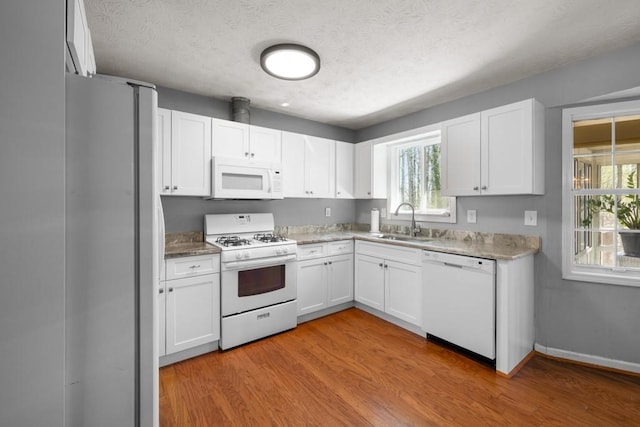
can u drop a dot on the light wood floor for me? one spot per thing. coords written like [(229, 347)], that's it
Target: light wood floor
[(353, 369)]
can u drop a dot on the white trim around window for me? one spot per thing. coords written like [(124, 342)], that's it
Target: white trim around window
[(620, 273)]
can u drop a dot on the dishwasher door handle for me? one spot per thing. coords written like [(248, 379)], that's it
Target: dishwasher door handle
[(448, 264)]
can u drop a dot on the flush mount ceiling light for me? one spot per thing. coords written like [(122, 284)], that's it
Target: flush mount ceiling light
[(290, 61)]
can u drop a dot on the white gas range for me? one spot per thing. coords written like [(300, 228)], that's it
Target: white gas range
[(258, 277)]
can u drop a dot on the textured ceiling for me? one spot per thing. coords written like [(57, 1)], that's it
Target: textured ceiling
[(380, 59)]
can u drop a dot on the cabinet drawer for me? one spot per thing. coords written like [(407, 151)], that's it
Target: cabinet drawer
[(313, 250), (390, 252), (192, 266), (341, 247)]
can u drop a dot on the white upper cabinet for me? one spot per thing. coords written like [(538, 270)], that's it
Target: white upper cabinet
[(308, 164), (496, 152), (370, 171), (190, 155), (229, 139), (164, 150), (79, 39), (243, 141), (345, 175), (461, 156), (265, 144)]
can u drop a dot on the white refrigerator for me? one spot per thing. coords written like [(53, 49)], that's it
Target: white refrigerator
[(114, 250)]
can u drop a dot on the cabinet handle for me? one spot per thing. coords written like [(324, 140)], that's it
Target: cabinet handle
[(166, 187), (253, 154), (311, 192), (484, 187), (338, 193), (170, 289), (246, 154), (195, 266), (330, 262), (175, 187), (475, 188), (380, 265), (369, 193), (325, 263), (161, 291), (386, 266)]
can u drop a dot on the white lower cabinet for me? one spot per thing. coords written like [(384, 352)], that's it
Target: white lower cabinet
[(325, 275), (189, 306), (389, 278)]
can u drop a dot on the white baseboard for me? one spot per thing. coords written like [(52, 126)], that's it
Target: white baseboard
[(588, 358)]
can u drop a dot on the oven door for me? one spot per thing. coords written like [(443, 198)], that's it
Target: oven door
[(255, 284)]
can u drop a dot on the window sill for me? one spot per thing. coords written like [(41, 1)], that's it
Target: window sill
[(604, 275)]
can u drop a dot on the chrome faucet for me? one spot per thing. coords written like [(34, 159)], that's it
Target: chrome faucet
[(414, 227)]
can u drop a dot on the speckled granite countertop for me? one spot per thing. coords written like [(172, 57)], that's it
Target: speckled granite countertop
[(483, 245), (187, 244)]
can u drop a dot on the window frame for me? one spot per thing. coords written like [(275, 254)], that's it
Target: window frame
[(392, 144), (571, 270)]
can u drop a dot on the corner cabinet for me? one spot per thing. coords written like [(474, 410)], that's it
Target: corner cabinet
[(325, 275), (345, 177), (308, 165), (388, 278), (370, 171), (495, 152), (184, 141), (243, 141), (189, 303)]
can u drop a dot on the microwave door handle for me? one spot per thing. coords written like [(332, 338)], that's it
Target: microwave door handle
[(269, 179)]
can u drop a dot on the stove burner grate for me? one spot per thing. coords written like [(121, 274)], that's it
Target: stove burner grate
[(269, 237), (232, 241)]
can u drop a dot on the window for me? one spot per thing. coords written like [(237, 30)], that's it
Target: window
[(601, 193), (414, 178)]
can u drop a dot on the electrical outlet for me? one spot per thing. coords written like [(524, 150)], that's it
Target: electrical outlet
[(327, 211), (471, 216), (383, 213), (531, 218)]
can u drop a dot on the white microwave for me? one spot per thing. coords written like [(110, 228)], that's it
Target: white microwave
[(245, 179)]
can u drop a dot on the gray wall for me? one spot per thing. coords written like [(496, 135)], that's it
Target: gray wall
[(589, 318), (197, 104), (186, 213), (32, 222)]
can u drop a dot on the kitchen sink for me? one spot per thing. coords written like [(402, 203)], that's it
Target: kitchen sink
[(396, 237)]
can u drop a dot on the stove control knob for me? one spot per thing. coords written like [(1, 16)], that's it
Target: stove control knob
[(246, 255), (285, 250), (238, 255)]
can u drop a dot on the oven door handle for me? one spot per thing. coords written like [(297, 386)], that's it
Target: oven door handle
[(263, 262)]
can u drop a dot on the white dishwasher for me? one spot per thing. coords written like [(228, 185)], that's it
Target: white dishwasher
[(459, 302)]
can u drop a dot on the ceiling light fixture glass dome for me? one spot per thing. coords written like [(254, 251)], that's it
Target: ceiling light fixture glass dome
[(290, 61)]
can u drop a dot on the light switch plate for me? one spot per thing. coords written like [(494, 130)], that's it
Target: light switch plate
[(327, 211), (531, 218), (471, 216)]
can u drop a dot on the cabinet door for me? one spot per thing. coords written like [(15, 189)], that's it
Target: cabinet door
[(265, 144), (507, 149), (369, 281), (229, 139), (363, 161), (312, 285), (190, 154), (162, 320), (461, 156), (345, 176), (320, 167), (164, 150), (339, 279), (78, 36), (193, 312), (293, 166), (403, 296)]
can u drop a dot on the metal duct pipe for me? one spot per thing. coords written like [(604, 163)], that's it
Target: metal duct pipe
[(240, 110)]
